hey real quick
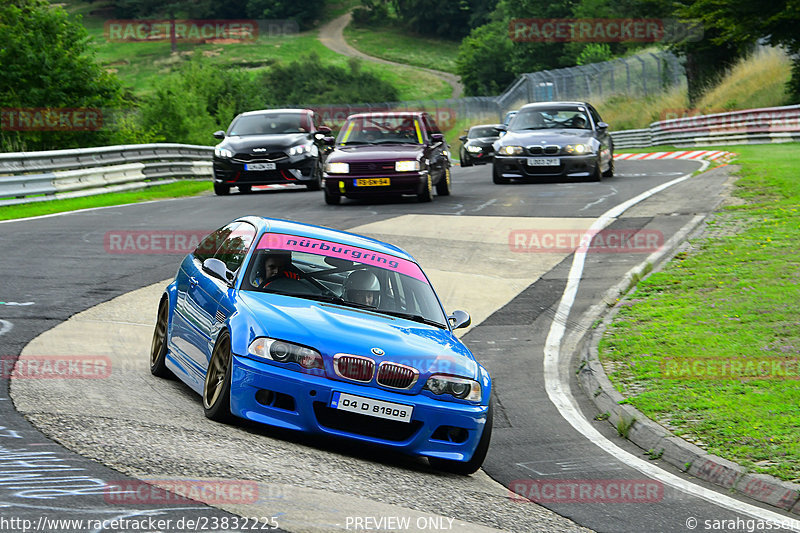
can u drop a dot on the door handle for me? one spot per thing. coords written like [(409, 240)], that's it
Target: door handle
[(192, 281)]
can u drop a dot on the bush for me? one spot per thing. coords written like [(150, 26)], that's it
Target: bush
[(308, 81)]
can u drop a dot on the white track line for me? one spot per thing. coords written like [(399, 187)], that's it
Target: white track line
[(558, 389)]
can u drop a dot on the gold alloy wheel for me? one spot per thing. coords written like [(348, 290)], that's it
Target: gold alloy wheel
[(159, 335), (216, 374)]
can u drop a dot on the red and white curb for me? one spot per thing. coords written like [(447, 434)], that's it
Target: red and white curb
[(712, 155)]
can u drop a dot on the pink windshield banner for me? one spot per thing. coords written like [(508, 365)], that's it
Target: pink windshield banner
[(278, 241)]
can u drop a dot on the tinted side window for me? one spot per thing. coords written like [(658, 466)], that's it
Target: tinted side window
[(236, 245), (595, 115), (209, 246)]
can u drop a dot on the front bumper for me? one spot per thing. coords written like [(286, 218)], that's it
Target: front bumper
[(299, 401), (570, 166), (399, 183), (296, 169)]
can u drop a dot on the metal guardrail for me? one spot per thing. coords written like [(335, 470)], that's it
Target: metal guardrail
[(40, 176), (750, 126)]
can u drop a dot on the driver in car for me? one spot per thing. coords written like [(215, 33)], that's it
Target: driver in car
[(362, 287), (277, 265)]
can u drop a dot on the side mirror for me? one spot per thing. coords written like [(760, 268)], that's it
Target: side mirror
[(459, 319), (437, 137), (325, 130), (463, 138), (219, 134), (501, 127), (602, 126), (217, 268), (328, 141)]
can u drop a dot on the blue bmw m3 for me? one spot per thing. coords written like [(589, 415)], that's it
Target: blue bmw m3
[(323, 331)]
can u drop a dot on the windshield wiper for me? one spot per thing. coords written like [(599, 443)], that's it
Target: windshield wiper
[(414, 317)]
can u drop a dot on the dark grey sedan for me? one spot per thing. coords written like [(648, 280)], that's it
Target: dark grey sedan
[(554, 140)]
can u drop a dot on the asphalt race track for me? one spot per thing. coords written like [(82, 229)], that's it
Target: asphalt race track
[(67, 291)]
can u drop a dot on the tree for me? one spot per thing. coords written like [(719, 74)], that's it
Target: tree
[(46, 62), (483, 59), (451, 19), (732, 27)]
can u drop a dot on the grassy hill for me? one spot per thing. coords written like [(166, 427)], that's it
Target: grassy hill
[(137, 63)]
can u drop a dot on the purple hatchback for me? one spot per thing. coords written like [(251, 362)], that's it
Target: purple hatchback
[(382, 154)]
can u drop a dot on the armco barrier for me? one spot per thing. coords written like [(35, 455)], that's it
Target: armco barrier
[(750, 126), (25, 177)]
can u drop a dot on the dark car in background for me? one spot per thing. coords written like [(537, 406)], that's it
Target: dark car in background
[(554, 140), (270, 146), (476, 145), (388, 154)]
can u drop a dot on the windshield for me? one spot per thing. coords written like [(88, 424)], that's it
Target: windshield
[(482, 131), (544, 118), (269, 123), (381, 129), (343, 275)]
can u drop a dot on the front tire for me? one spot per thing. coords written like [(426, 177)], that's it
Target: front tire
[(316, 179), (158, 348), (465, 162), (332, 198), (221, 189), (217, 385), (497, 177), (427, 191), (466, 468), (610, 172), (596, 174), (444, 186)]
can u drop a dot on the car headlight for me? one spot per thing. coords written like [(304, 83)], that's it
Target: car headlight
[(406, 166), (285, 352), (300, 149), (222, 153), (474, 149), (461, 388), (578, 149), (511, 150), (337, 168)]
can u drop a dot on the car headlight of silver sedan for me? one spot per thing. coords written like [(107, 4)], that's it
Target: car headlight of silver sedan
[(578, 149), (511, 150), (285, 352), (461, 388)]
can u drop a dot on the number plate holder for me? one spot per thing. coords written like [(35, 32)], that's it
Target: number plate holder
[(371, 407)]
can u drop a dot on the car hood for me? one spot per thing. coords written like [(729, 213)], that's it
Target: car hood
[(334, 329), (555, 136), (247, 142), (383, 152)]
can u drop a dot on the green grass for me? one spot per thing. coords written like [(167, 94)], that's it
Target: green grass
[(137, 64), (394, 44), (734, 294), (158, 192)]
